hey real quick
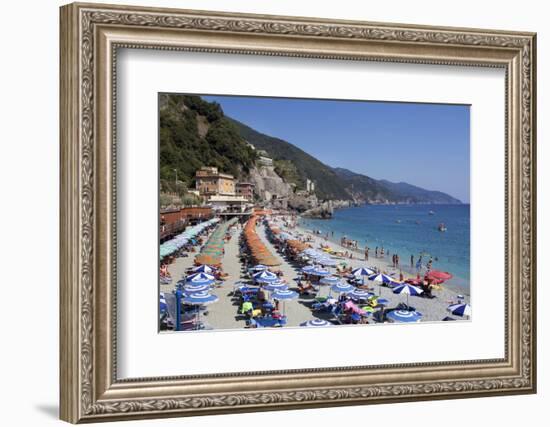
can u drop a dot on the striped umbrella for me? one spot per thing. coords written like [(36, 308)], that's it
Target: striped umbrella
[(330, 280), (200, 279), (204, 269), (327, 262), (363, 271), (320, 272), (284, 295), (342, 288), (360, 294), (259, 267), (276, 286), (191, 289), (200, 298), (308, 269), (265, 277), (404, 316), (460, 309), (316, 323), (407, 289)]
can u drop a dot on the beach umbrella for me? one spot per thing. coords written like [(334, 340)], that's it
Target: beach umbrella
[(198, 299), (265, 277), (284, 295), (460, 309), (342, 288), (404, 316), (204, 269), (330, 280), (360, 294), (259, 267), (320, 272), (200, 279), (407, 289), (276, 286), (381, 278), (327, 262), (191, 289), (382, 301), (316, 323), (363, 271)]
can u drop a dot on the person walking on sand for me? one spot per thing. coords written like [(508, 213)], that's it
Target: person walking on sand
[(366, 253), (397, 260), (376, 252)]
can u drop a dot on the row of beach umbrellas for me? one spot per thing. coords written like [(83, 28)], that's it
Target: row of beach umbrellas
[(257, 248), (174, 244)]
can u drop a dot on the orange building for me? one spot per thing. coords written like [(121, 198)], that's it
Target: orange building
[(211, 182), (246, 190)]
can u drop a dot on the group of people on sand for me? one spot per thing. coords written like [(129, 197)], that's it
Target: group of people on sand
[(348, 243)]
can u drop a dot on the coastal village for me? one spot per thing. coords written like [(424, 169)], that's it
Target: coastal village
[(238, 258)]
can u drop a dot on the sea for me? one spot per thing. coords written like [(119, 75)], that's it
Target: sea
[(406, 230)]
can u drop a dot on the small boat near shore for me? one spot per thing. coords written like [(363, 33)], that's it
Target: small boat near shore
[(442, 227), (431, 213)]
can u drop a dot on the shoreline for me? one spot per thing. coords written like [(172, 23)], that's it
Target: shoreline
[(384, 264)]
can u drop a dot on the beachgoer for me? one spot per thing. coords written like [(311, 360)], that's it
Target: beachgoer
[(376, 252), (366, 253), (396, 260)]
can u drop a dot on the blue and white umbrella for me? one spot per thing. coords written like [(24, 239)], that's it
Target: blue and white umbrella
[(259, 267), (330, 280), (327, 262), (404, 316), (363, 271), (284, 295), (320, 272), (316, 323), (276, 286), (460, 309), (308, 269), (200, 279), (192, 289), (342, 288), (360, 294), (407, 289), (382, 278), (204, 269), (265, 277), (382, 301), (199, 298)]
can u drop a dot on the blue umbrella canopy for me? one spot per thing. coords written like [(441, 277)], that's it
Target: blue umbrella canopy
[(363, 271), (342, 288), (404, 316), (204, 269), (327, 262), (259, 267), (382, 301), (330, 280), (190, 289), (308, 269), (360, 294), (200, 298), (200, 279), (265, 277), (276, 286), (405, 288), (284, 295), (382, 278), (320, 272), (316, 323), (162, 303), (460, 309)]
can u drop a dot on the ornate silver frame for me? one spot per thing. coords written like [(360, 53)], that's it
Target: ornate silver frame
[(90, 36)]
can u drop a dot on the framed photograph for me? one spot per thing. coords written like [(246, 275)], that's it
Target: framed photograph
[(266, 213)]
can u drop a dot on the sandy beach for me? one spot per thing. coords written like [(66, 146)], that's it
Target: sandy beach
[(224, 314)]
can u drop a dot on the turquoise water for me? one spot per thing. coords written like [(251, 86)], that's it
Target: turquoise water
[(407, 230)]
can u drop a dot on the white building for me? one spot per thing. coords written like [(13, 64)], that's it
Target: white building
[(229, 204)]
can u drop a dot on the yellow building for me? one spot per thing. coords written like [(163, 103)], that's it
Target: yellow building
[(210, 182)]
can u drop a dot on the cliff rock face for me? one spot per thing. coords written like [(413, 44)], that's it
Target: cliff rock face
[(269, 185)]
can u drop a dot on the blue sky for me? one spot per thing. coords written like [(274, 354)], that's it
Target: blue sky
[(427, 145)]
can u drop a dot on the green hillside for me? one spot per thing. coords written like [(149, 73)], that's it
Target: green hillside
[(195, 133)]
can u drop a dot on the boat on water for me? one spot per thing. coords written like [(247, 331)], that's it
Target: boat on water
[(442, 227), (431, 213)]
